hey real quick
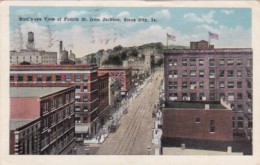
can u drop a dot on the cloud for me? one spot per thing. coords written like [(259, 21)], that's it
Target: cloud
[(73, 14), (227, 12), (205, 18), (104, 15), (229, 37), (123, 14), (164, 13)]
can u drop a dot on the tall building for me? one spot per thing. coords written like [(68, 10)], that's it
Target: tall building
[(42, 120), (83, 77), (31, 55), (212, 74), (121, 75)]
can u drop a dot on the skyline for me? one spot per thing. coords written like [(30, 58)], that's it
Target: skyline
[(233, 25)]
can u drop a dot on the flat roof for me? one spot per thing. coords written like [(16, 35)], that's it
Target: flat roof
[(14, 124), (34, 91), (54, 67), (208, 51), (193, 105)]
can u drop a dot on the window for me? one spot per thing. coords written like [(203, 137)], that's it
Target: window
[(212, 96), (221, 62), (77, 108), (233, 122), (39, 77), (185, 97), (48, 78), (193, 96), (201, 62), (60, 101), (85, 98), (240, 108), (85, 77), (201, 73), (239, 62), (239, 73), (212, 126), (230, 62), (211, 62), (67, 77), (222, 96), (222, 84), (170, 62), (249, 62), (231, 96), (239, 96), (240, 122), (170, 85), (58, 78), (11, 78), (20, 77), (197, 120), (77, 77), (230, 84), (85, 88), (77, 88), (193, 85), (249, 96), (175, 74), (249, 73), (230, 73), (170, 75), (202, 96), (201, 85), (221, 73), (184, 62), (184, 85), (175, 63), (211, 74), (175, 85), (211, 84), (192, 62), (184, 73), (249, 84), (239, 84), (250, 124), (53, 103), (193, 73)]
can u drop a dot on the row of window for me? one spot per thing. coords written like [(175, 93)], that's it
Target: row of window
[(211, 74), (23, 57), (200, 85), (211, 62), (212, 96), (239, 123), (49, 78)]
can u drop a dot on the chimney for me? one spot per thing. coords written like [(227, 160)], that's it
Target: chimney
[(183, 146), (60, 46)]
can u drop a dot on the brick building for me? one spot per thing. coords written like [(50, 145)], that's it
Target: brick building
[(42, 120), (122, 75), (212, 74), (204, 125), (83, 77)]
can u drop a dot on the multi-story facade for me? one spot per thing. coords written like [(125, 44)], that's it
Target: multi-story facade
[(122, 75), (42, 120), (83, 77), (209, 75), (198, 125)]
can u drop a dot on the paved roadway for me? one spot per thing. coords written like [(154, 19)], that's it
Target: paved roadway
[(134, 131)]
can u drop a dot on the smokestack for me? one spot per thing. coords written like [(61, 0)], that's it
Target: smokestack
[(60, 46)]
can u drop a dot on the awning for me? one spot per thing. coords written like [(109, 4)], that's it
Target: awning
[(81, 128)]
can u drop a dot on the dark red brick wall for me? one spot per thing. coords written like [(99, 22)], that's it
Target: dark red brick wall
[(25, 108), (181, 124)]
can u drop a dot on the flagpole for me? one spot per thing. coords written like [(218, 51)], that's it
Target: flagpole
[(167, 40), (208, 39)]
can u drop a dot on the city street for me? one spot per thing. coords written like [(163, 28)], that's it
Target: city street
[(135, 129)]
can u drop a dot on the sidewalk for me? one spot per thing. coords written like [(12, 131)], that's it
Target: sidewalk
[(157, 133)]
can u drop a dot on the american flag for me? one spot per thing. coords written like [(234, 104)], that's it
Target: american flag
[(213, 35), (170, 37)]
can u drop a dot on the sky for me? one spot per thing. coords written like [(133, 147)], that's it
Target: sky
[(233, 26)]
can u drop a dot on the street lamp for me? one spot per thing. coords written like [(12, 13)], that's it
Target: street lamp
[(148, 149)]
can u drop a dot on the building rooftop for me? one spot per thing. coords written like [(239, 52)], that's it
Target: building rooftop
[(193, 105), (33, 91), (54, 67), (219, 51), (14, 124)]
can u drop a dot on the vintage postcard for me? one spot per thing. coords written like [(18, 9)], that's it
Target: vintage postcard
[(151, 79)]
